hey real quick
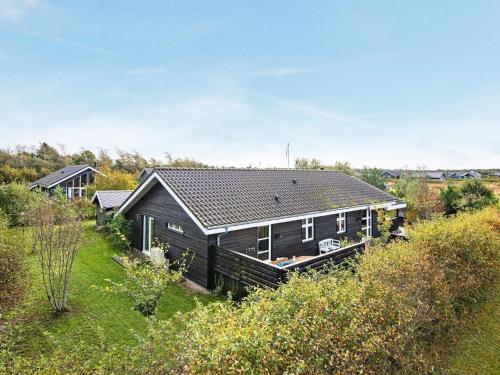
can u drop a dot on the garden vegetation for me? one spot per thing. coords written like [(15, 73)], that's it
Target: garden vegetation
[(393, 312), (12, 265)]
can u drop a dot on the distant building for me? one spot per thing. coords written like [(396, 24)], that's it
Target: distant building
[(397, 173), (391, 173), (73, 179), (435, 175), (107, 202), (460, 175)]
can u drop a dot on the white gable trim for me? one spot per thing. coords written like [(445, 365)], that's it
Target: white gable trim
[(94, 197), (152, 180), (72, 175)]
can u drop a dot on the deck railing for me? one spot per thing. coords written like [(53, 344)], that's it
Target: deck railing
[(250, 271)]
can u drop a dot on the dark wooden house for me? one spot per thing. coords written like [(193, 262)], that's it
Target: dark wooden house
[(254, 225), (73, 179)]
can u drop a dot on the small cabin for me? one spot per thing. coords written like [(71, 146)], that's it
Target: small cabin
[(107, 202), (73, 179)]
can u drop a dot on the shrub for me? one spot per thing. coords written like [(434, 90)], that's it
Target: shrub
[(422, 202), (15, 200), (476, 195), (120, 232), (85, 208), (373, 177), (471, 196), (12, 266), (57, 230), (146, 283), (451, 198)]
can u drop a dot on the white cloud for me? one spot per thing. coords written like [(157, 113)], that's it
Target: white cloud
[(15, 10), (228, 126)]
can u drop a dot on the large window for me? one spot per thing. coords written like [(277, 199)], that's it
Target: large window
[(307, 229), (341, 227), (264, 242), (366, 223), (148, 232)]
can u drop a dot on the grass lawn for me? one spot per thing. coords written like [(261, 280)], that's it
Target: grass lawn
[(89, 308), (477, 351)]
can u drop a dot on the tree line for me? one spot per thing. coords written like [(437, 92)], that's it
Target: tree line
[(29, 163)]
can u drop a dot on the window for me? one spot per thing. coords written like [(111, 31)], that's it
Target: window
[(264, 242), (341, 227), (367, 223), (307, 229), (175, 227), (148, 232)]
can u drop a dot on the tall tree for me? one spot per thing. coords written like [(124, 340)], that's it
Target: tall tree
[(373, 177), (84, 157), (57, 227)]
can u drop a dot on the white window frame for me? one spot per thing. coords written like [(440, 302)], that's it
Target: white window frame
[(147, 222), (268, 251), (341, 223), (307, 223), (175, 227), (367, 220)]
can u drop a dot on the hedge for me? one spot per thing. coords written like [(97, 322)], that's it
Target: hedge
[(386, 317)]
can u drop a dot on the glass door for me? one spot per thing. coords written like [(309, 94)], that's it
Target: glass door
[(148, 225)]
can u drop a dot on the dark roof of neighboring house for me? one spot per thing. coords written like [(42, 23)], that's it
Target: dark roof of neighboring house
[(435, 174), (472, 173), (111, 198), (59, 175), (394, 172), (221, 197), (464, 173), (145, 173)]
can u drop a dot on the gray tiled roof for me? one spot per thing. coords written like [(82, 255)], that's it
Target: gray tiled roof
[(111, 198), (394, 172), (58, 175), (219, 197), (146, 172), (435, 174)]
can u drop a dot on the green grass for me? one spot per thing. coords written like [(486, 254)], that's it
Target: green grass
[(477, 350), (89, 308)]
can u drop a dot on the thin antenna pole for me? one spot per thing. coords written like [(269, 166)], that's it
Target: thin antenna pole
[(288, 154)]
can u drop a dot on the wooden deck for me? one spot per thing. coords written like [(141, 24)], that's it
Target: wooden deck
[(249, 271)]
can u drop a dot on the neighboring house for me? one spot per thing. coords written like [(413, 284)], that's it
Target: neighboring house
[(435, 175), (459, 175), (73, 179), (396, 174), (146, 172), (253, 225), (496, 174), (107, 202), (471, 174), (454, 175)]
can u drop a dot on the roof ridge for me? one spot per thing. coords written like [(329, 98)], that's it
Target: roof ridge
[(246, 169), (112, 191)]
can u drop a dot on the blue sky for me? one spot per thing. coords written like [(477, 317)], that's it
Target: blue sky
[(378, 83)]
